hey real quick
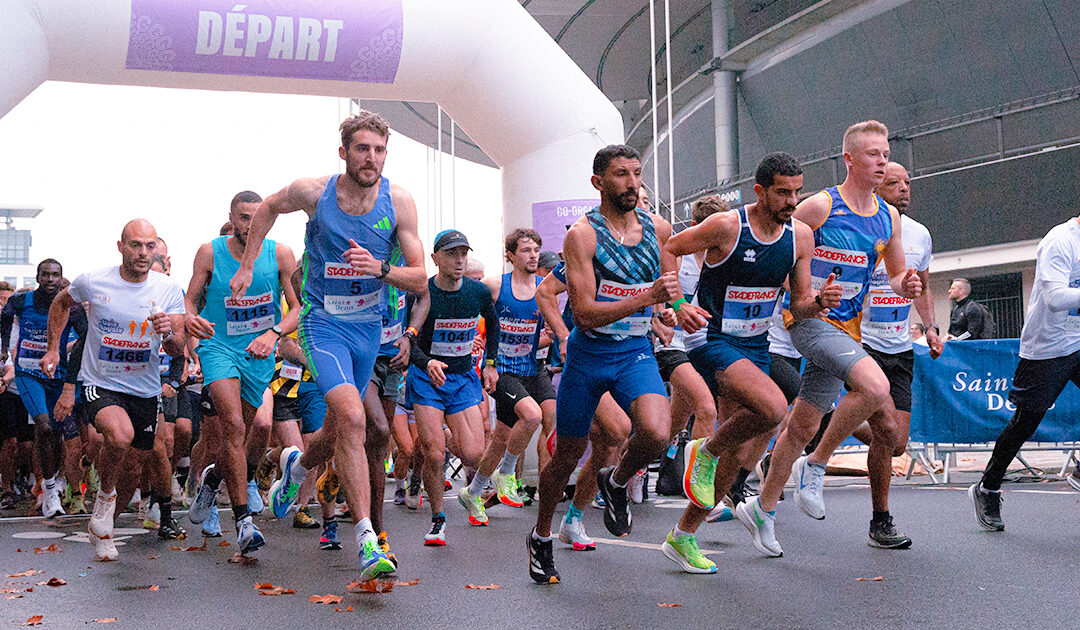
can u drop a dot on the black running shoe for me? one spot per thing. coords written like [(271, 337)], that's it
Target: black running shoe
[(541, 560), (987, 508), (170, 529), (616, 504), (884, 536)]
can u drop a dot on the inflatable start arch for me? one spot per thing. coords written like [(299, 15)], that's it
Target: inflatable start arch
[(486, 62)]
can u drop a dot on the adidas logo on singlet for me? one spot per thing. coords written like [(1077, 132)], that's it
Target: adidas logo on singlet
[(383, 224), (750, 256)]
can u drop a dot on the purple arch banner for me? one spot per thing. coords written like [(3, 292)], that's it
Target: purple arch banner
[(337, 40)]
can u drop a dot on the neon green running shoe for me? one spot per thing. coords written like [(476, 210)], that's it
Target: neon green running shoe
[(474, 505), (507, 488), (699, 471), (373, 562), (684, 552)]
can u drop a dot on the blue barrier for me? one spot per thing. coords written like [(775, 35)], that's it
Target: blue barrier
[(963, 396)]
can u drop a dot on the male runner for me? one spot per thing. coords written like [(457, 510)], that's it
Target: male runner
[(353, 220), (749, 253), (615, 272), (1049, 359), (132, 312), (441, 383), (523, 394), (236, 347), (40, 392), (853, 230)]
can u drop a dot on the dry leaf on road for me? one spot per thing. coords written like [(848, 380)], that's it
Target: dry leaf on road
[(873, 579), (53, 548), (483, 587), (34, 621), (325, 599)]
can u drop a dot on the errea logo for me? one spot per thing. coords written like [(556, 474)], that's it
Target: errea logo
[(750, 256)]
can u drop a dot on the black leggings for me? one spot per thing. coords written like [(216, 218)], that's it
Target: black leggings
[(1020, 429)]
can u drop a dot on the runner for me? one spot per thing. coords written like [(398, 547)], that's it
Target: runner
[(523, 394), (39, 391), (132, 312), (236, 346), (353, 220), (853, 230), (613, 271), (441, 383), (756, 246), (1049, 359)]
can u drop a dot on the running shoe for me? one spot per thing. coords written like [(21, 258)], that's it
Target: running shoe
[(100, 527), (884, 536), (809, 484), (142, 507), (699, 470), (170, 529), (177, 492), (93, 484), (302, 519), (413, 500), (264, 473), (283, 491), (1074, 480), (373, 562), (684, 552), (254, 499), (248, 536), (761, 526), (204, 500), (541, 560), (598, 501), (437, 536), (506, 486), (51, 505), (635, 488), (211, 526), (399, 496), (328, 486), (447, 485), (384, 546), (78, 505), (329, 539), (987, 507), (8, 501), (617, 506), (152, 520), (572, 532), (722, 513), (474, 505)]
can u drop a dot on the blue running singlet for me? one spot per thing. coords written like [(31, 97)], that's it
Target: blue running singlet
[(519, 329)]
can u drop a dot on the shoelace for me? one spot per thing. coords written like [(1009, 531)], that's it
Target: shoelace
[(817, 480)]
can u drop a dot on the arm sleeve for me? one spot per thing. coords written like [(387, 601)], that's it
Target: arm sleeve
[(491, 326), (77, 321), (176, 369), (75, 360), (1052, 274), (418, 357)]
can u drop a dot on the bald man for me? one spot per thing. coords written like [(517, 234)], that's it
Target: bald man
[(132, 312)]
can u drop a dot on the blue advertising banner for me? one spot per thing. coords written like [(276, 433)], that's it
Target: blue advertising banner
[(963, 396)]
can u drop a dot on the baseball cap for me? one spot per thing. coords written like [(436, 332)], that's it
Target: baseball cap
[(448, 239), (548, 260)]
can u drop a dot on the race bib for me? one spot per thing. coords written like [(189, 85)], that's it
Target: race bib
[(390, 333), (1072, 322), (748, 310), (121, 356), (542, 353), (850, 267), (453, 337), (636, 325), (30, 354), (164, 360), (887, 317), (516, 337), (249, 314), (290, 371), (347, 293)]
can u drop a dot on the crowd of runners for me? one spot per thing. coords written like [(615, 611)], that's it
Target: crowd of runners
[(770, 332)]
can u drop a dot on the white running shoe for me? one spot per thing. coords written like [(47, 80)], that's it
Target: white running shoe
[(809, 486), (721, 512), (761, 526), (50, 502), (101, 527), (153, 517), (635, 488), (573, 533)]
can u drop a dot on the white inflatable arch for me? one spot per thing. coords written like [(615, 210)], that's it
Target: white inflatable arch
[(486, 62)]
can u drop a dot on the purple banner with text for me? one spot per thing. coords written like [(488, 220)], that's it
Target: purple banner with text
[(336, 40), (552, 218)]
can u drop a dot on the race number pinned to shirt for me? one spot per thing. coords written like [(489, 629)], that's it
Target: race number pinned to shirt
[(163, 362), (453, 337), (748, 310), (249, 314), (123, 356), (348, 291), (848, 265), (516, 337), (1072, 322), (888, 315), (30, 354), (390, 333), (636, 325), (290, 371)]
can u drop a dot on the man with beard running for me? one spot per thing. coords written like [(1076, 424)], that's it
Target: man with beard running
[(353, 221)]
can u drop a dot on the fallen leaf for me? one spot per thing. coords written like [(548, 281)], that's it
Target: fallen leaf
[(201, 547), (13, 596), (174, 549), (349, 609), (34, 621), (873, 579), (483, 587), (149, 557), (56, 582), (242, 560), (106, 620), (668, 605), (26, 573), (325, 599), (409, 583), (224, 543), (50, 549), (153, 588), (12, 590), (371, 586), (270, 589)]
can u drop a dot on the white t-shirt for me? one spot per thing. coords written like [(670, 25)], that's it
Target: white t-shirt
[(689, 274), (885, 325), (1048, 334), (121, 352), (779, 339)]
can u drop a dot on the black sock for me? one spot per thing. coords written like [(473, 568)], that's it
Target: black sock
[(880, 517), (182, 475), (251, 471), (166, 508), (329, 519), (740, 481), (212, 479), (239, 512)]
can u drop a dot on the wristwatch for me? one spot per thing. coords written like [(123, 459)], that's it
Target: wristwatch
[(385, 270), (278, 331)]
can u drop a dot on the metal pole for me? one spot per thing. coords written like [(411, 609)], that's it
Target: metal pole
[(453, 178), (670, 120), (725, 109), (438, 172), (652, 75)]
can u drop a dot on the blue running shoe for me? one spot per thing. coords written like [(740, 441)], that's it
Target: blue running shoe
[(248, 536), (255, 502), (283, 491), (329, 539), (211, 527), (373, 562), (204, 500)]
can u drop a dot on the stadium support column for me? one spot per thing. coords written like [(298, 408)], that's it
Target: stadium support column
[(724, 105)]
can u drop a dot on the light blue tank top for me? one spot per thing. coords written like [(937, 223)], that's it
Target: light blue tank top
[(519, 330), (238, 322), (330, 284), (623, 271)]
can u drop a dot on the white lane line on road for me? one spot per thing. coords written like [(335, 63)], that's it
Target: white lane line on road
[(641, 545)]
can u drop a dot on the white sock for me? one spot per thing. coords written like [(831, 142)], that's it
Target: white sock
[(400, 484), (50, 483), (363, 532), (478, 482), (678, 533), (612, 478), (183, 462), (508, 463), (539, 537)]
